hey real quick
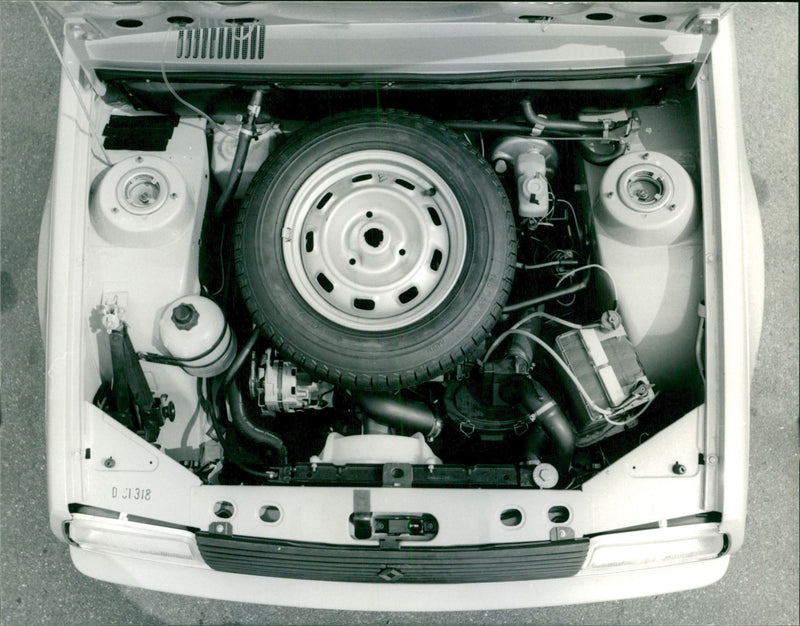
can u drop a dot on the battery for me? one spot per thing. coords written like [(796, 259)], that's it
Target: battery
[(606, 364)]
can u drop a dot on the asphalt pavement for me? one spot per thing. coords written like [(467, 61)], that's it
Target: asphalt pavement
[(39, 584)]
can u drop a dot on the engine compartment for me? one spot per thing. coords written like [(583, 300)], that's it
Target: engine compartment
[(529, 308)]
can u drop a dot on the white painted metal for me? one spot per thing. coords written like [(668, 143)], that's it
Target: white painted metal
[(341, 450)]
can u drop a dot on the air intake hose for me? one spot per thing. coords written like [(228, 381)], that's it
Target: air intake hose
[(533, 398), (406, 416)]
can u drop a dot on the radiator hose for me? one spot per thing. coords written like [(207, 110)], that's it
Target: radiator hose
[(534, 398), (243, 423)]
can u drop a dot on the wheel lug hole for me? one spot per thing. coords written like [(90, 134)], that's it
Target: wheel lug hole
[(369, 213), (352, 261), (402, 252)]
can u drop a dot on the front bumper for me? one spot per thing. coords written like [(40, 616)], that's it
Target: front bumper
[(614, 566)]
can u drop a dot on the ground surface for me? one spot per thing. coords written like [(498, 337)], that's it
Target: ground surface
[(39, 585)]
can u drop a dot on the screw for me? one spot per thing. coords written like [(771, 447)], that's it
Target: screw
[(109, 462), (114, 209), (609, 194), (139, 159), (672, 207), (646, 156), (678, 468), (562, 533), (713, 459), (173, 195)]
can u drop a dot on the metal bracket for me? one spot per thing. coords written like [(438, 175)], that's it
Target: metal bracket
[(132, 395), (398, 475), (707, 26), (562, 533), (221, 528)]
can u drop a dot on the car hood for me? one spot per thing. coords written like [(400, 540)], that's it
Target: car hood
[(280, 39)]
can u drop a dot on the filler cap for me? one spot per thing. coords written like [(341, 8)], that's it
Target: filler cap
[(185, 316)]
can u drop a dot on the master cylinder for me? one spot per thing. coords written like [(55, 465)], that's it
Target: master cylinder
[(534, 162)]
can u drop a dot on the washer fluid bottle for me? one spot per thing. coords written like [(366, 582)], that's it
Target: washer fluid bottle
[(193, 329)]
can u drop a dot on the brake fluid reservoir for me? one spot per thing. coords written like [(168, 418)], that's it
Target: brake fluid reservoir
[(649, 238), (193, 329)]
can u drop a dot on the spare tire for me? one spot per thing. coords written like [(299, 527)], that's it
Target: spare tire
[(375, 249)]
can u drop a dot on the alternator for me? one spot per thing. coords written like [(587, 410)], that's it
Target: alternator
[(281, 386)]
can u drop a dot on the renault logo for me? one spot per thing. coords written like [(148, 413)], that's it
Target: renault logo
[(390, 574)]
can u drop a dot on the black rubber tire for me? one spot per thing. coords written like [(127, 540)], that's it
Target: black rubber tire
[(402, 357)]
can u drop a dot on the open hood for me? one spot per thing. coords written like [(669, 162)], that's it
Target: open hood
[(286, 40)]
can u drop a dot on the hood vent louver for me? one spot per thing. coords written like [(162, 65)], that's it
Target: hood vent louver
[(241, 43)]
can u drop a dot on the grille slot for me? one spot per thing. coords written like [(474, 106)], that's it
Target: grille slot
[(238, 43), (451, 564)]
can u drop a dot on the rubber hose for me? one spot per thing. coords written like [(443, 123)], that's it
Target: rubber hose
[(565, 125), (240, 359), (521, 348), (596, 158), (500, 127), (552, 295), (535, 399), (241, 420), (237, 166), (406, 415), (534, 441)]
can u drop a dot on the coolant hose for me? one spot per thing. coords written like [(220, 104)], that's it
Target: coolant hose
[(534, 398), (563, 125), (497, 127), (241, 420), (246, 134), (241, 357), (407, 416), (237, 166)]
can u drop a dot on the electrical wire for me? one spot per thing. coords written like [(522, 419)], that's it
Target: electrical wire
[(527, 318), (590, 266), (574, 217), (552, 318), (698, 344), (221, 261), (68, 74), (698, 350), (632, 417), (538, 266), (201, 113)]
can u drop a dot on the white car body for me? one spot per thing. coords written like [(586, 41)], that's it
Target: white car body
[(134, 520)]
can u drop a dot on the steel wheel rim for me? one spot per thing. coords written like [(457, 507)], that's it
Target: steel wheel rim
[(374, 240)]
